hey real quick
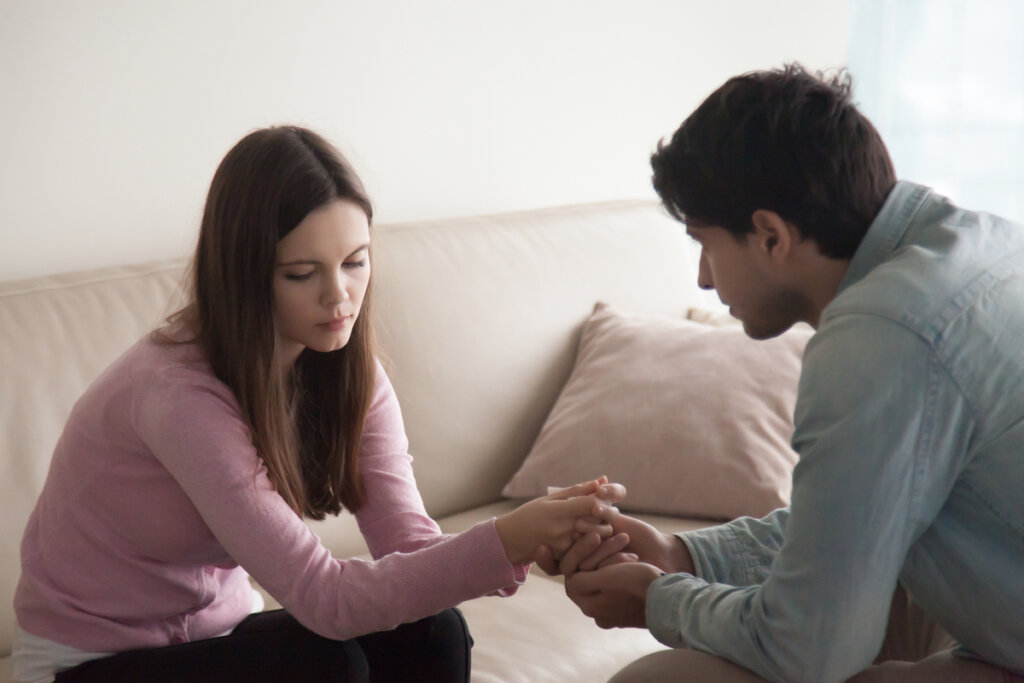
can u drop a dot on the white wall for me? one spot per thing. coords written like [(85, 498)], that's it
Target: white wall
[(114, 113)]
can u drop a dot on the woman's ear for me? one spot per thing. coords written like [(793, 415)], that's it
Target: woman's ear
[(773, 234)]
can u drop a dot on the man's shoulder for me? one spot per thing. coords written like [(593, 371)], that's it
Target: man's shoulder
[(941, 270)]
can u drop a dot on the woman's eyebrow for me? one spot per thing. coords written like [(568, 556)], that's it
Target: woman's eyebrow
[(314, 262)]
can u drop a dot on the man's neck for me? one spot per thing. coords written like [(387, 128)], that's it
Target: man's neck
[(823, 278)]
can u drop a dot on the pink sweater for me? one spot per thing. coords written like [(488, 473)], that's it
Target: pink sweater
[(156, 505)]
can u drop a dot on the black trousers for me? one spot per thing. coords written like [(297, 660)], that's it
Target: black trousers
[(273, 646)]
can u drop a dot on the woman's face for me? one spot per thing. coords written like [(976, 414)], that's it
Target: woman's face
[(320, 278)]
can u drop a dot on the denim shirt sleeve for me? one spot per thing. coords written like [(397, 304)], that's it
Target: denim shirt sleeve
[(876, 421), (739, 553)]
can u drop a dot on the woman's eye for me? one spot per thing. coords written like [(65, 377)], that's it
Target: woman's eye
[(298, 277), (356, 264)]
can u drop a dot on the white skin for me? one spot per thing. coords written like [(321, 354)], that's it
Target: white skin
[(321, 273), (320, 279)]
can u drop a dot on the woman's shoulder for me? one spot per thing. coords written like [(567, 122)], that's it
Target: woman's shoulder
[(169, 349), (170, 361), (173, 386), (383, 389)]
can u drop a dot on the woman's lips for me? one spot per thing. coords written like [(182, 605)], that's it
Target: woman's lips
[(336, 324)]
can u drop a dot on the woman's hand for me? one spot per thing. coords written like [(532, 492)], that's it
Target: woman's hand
[(558, 519), (633, 540)]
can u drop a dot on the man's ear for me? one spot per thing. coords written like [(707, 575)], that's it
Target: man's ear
[(772, 234)]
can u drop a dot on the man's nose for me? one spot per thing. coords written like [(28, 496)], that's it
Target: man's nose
[(704, 279)]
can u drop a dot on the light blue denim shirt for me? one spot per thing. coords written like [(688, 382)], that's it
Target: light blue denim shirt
[(910, 430)]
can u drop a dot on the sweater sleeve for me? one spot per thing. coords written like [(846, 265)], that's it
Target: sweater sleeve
[(393, 518), (192, 424)]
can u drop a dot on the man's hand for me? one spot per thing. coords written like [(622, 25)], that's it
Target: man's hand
[(633, 539), (614, 595)]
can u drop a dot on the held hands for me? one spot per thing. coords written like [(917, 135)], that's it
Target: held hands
[(608, 578), (633, 540), (555, 521)]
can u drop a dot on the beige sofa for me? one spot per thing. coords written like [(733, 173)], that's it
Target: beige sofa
[(479, 318)]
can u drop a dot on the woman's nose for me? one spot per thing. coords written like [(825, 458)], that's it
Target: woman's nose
[(336, 292)]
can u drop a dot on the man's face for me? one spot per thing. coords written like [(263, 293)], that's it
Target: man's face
[(746, 281)]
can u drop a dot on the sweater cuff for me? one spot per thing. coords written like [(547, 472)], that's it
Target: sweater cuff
[(517, 572)]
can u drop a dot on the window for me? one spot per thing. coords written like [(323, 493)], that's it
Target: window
[(943, 81)]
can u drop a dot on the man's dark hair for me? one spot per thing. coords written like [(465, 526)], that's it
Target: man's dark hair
[(783, 140)]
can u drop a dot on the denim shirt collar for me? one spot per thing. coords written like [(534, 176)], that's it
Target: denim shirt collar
[(886, 231)]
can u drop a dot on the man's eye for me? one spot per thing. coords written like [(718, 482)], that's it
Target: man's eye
[(298, 277)]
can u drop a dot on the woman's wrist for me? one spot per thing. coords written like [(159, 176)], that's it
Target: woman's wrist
[(506, 527)]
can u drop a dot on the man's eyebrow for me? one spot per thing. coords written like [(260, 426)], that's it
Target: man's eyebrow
[(313, 262)]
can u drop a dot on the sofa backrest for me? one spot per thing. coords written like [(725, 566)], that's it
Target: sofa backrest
[(478, 317), (56, 335)]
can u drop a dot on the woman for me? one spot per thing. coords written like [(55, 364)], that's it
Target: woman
[(192, 460)]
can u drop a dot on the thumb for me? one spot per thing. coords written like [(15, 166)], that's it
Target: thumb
[(546, 561), (585, 506), (574, 491), (584, 583)]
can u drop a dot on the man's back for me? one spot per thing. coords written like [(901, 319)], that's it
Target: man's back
[(940, 292)]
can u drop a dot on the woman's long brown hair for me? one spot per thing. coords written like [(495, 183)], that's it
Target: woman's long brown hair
[(305, 426)]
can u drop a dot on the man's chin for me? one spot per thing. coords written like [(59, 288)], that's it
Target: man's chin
[(763, 330)]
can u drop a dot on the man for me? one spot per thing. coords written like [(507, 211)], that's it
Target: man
[(909, 423)]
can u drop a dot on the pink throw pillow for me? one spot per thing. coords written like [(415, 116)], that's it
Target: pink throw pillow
[(695, 419)]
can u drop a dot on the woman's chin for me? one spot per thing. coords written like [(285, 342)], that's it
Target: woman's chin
[(329, 346)]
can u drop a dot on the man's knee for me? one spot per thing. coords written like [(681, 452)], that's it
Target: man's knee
[(684, 666)]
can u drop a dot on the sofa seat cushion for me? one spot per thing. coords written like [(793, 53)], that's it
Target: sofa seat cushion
[(538, 634)]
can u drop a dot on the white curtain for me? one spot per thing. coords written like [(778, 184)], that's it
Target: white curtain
[(943, 81)]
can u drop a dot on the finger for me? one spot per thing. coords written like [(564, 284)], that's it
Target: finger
[(619, 558), (588, 583), (605, 512), (581, 489), (588, 525), (615, 544), (578, 587), (579, 551), (594, 520), (611, 493), (546, 561), (586, 506)]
